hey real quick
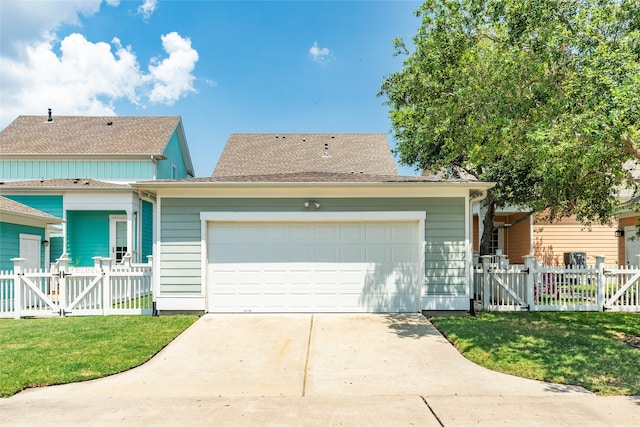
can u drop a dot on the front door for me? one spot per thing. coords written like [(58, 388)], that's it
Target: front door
[(118, 236), (631, 245), (30, 250)]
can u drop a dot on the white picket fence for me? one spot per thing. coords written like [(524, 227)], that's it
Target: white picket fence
[(103, 289), (534, 287)]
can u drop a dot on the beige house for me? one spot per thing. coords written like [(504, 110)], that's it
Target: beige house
[(548, 242)]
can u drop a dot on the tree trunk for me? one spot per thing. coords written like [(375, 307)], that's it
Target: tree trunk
[(488, 225)]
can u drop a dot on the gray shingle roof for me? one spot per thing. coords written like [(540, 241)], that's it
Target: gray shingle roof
[(309, 177), (82, 135), (290, 153), (10, 206), (61, 184)]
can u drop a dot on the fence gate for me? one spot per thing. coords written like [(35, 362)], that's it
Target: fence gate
[(36, 294), (621, 292), (503, 288), (100, 290)]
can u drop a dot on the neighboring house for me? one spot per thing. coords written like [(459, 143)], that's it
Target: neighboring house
[(548, 241), (312, 222), (79, 169), (24, 233), (519, 235), (101, 218)]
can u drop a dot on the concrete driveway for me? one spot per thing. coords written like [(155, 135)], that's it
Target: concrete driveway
[(313, 370)]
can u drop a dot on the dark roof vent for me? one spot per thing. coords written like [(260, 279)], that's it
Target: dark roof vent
[(109, 123), (50, 118), (326, 150)]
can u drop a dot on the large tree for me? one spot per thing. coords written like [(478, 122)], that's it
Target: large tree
[(540, 96)]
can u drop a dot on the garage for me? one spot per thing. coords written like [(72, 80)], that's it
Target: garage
[(350, 262)]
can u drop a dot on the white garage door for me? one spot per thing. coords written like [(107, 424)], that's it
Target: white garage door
[(313, 267)]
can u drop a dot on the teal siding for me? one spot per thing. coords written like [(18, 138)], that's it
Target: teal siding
[(48, 204), (88, 235), (147, 230), (95, 169), (10, 243), (445, 248), (175, 156)]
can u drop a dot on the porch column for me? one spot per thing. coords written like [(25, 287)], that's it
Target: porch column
[(130, 228)]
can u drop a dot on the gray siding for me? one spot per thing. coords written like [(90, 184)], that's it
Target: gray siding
[(444, 236)]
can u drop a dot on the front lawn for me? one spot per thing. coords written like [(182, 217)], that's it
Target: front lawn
[(38, 352), (598, 351)]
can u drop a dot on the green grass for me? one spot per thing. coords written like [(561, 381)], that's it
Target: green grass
[(38, 352), (578, 348)]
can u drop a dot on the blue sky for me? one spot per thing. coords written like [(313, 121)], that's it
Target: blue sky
[(224, 66)]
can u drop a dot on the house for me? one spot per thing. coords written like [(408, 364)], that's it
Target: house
[(519, 234), (79, 169), (312, 222), (547, 241), (23, 234)]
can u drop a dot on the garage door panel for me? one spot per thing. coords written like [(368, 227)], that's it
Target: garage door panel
[(306, 267)]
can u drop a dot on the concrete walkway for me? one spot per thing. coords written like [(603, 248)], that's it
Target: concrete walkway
[(314, 370)]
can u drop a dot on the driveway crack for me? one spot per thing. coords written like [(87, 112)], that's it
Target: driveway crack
[(432, 411), (306, 362)]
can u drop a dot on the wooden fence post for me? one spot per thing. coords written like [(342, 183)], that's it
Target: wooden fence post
[(600, 282), (63, 264), (530, 262), (106, 285), (18, 270), (486, 263)]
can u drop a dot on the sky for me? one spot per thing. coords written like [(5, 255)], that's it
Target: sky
[(223, 66)]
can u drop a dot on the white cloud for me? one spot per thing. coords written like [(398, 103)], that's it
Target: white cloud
[(147, 8), (78, 76), (27, 22), (171, 77), (321, 55), (88, 78)]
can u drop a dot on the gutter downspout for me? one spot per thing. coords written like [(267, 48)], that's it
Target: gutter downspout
[(473, 198)]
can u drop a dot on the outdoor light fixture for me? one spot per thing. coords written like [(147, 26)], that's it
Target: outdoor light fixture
[(314, 203), (619, 233), (45, 243)]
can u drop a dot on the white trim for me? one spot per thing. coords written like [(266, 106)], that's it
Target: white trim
[(156, 248), (314, 216), (314, 190), (445, 302), (204, 260), (179, 303)]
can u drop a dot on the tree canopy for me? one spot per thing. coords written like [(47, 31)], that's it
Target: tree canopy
[(540, 96)]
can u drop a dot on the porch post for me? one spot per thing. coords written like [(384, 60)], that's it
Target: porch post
[(18, 266), (600, 281), (529, 262), (96, 262), (130, 242)]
